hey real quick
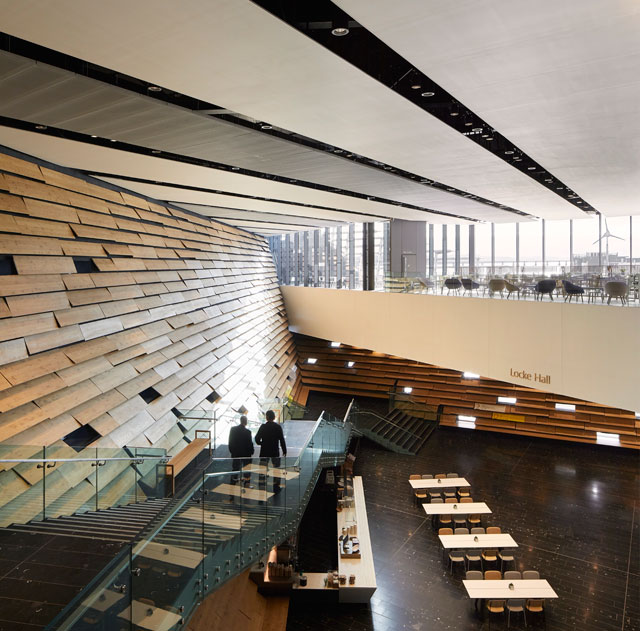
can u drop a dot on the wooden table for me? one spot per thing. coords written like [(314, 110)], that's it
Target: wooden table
[(438, 484), (150, 617), (483, 541), (500, 589), (470, 508)]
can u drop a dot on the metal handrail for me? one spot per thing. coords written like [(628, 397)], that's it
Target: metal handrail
[(386, 420), (139, 459)]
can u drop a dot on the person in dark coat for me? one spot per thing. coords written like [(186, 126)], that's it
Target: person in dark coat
[(270, 436), (241, 449)]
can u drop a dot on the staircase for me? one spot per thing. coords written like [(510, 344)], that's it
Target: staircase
[(116, 524), (398, 431), (196, 543)]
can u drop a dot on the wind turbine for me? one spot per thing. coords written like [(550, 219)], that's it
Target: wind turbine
[(607, 235)]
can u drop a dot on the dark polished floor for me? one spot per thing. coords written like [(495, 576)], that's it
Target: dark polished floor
[(572, 509)]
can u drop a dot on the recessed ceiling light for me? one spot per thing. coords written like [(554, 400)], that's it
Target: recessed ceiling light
[(468, 124), (428, 94), (548, 179), (531, 168), (155, 151), (154, 88), (578, 202), (477, 129), (490, 138), (41, 126), (451, 189), (485, 135), (454, 113), (266, 126), (416, 86), (340, 31), (93, 136), (235, 168), (113, 140), (508, 153), (558, 188)]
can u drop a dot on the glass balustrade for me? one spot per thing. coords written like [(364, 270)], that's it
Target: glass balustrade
[(238, 510), (60, 480)]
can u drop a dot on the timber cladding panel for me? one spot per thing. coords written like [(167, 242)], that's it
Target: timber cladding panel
[(104, 294), (534, 414)]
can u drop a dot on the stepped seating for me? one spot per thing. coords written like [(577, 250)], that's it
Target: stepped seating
[(398, 431)]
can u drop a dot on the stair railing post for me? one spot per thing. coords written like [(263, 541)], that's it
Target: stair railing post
[(44, 484)]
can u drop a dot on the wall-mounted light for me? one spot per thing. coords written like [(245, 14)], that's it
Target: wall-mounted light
[(605, 438), (407, 389), (467, 422), (507, 400), (470, 375), (350, 364), (335, 344), (311, 360), (566, 407)]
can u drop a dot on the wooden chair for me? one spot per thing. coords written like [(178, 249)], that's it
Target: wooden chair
[(493, 575), (419, 495), (536, 606), (515, 605), (495, 606), (489, 556), (493, 530)]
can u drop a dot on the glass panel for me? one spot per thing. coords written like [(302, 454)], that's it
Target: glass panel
[(585, 247), (557, 248), (505, 249), (530, 250), (483, 250), (615, 247)]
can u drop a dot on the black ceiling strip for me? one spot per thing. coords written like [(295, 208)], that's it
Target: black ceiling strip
[(178, 157), (328, 25), (60, 60)]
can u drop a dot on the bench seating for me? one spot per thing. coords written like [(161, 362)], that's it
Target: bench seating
[(187, 455)]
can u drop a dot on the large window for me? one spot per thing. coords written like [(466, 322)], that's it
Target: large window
[(505, 248), (530, 248), (483, 250), (586, 258), (557, 242)]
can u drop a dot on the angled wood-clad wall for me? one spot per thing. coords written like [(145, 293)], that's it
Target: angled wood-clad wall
[(374, 374), (104, 294)]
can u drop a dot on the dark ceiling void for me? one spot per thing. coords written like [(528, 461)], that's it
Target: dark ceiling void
[(176, 157), (328, 25), (54, 58)]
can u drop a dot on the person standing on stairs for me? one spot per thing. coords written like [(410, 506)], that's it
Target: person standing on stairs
[(241, 450), (269, 436)]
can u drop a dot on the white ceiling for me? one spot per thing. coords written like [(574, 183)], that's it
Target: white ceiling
[(234, 54), (559, 79)]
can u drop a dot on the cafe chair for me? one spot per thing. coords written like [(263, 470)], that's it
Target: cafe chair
[(445, 531), (441, 476), (477, 531), (456, 556), (506, 556), (511, 289), (452, 285), (536, 606), (434, 495), (493, 575), (571, 290), (452, 475), (616, 289), (461, 531), (464, 491), (512, 575), (419, 495), (545, 286), (493, 607), (489, 556), (469, 285), (473, 556), (496, 286), (493, 530), (515, 605), (474, 575), (531, 575)]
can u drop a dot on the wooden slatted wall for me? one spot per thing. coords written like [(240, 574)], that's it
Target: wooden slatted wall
[(163, 299), (374, 374)]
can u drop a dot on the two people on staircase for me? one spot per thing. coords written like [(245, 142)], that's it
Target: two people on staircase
[(241, 449), (270, 437)]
